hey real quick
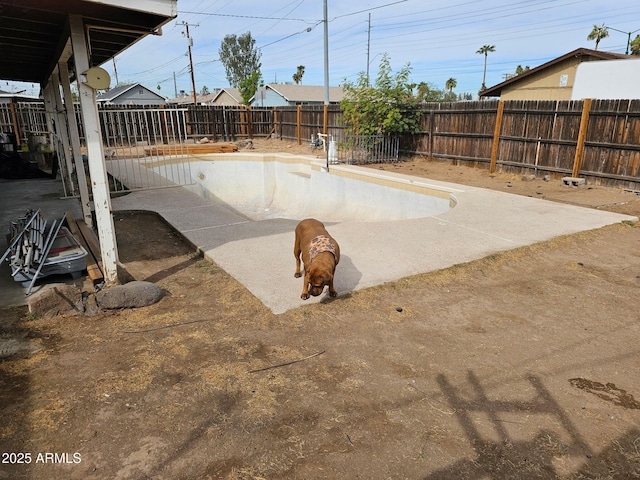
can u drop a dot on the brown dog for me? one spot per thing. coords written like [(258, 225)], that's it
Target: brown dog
[(320, 254)]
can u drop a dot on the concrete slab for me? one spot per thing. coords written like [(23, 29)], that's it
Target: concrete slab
[(259, 254), (16, 197)]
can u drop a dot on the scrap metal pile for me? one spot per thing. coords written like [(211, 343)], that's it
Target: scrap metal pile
[(36, 251)]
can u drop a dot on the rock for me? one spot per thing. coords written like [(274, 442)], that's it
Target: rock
[(56, 300), (130, 295), (248, 144), (528, 178), (91, 306), (547, 178)]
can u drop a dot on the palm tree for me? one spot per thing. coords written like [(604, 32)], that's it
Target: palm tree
[(297, 77), (598, 33), (635, 45), (485, 49), (451, 84)]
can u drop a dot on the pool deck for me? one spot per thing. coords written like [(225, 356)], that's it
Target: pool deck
[(259, 254)]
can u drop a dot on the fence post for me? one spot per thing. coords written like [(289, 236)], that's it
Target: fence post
[(243, 120), (249, 121), (275, 122), (211, 116), (432, 119), (582, 134), (163, 123), (299, 126), (496, 137), (325, 121)]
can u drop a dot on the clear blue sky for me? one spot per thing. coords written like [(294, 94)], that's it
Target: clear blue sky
[(438, 39)]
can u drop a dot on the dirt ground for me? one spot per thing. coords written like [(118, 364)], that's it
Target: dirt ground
[(522, 365)]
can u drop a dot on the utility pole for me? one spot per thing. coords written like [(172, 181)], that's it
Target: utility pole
[(175, 86), (368, 48), (190, 44), (326, 55), (628, 36)]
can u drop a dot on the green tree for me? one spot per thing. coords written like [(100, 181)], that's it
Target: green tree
[(240, 57), (485, 49), (297, 77), (249, 86), (204, 90), (598, 33), (520, 70), (451, 84), (428, 92), (387, 107), (635, 45)]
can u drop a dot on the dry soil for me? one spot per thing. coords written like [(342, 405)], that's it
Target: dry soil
[(522, 365)]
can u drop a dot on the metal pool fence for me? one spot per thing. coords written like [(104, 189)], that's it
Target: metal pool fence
[(145, 148), (365, 149)]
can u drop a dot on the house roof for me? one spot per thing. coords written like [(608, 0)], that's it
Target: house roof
[(305, 93), (496, 90), (16, 96), (115, 92), (204, 99), (232, 92)]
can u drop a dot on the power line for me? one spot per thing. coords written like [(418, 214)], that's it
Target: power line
[(253, 17)]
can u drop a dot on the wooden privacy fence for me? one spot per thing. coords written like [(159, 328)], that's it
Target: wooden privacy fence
[(296, 123), (598, 140), (595, 139)]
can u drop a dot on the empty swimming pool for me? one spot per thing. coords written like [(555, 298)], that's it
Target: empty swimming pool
[(263, 186), (259, 253)]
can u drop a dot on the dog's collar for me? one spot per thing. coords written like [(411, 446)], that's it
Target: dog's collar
[(321, 244)]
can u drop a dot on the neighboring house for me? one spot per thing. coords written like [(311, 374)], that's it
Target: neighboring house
[(553, 80), (132, 94), (284, 94), (209, 99), (9, 97), (229, 97)]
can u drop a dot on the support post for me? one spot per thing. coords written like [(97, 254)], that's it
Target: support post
[(61, 129), (95, 153), (16, 127), (496, 137), (582, 134), (57, 162), (74, 137)]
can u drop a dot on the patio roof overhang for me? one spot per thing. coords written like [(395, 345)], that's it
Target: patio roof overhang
[(52, 42), (34, 34)]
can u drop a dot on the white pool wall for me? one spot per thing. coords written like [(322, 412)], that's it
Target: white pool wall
[(263, 186)]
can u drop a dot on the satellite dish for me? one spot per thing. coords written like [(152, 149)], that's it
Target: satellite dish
[(97, 78)]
